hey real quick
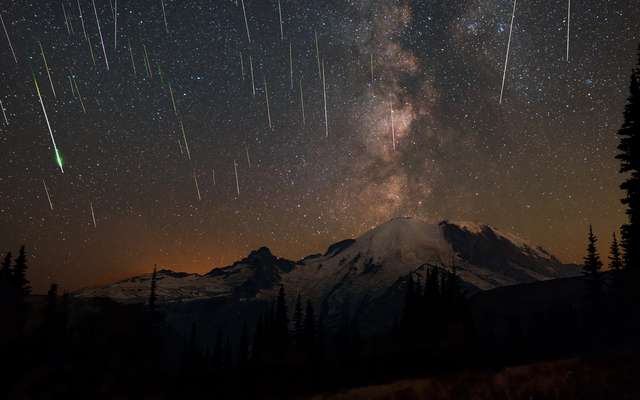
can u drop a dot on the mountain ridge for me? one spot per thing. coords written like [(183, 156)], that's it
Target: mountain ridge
[(358, 269)]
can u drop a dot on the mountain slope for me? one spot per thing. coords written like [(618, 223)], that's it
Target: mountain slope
[(357, 272)]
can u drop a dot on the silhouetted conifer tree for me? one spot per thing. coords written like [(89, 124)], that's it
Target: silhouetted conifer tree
[(243, 351), (258, 340), (298, 321), (281, 331), (52, 299), (6, 272), (629, 157), (615, 258), (152, 292), (20, 273), (592, 263), (228, 354), (309, 329), (218, 351)]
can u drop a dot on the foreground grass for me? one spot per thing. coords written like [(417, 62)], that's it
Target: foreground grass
[(610, 377)]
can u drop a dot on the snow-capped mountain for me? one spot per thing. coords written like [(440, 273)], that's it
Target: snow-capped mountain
[(360, 271)]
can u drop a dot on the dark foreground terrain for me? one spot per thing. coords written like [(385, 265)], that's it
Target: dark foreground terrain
[(614, 376), (570, 338)]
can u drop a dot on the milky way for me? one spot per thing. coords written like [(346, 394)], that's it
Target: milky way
[(412, 125)]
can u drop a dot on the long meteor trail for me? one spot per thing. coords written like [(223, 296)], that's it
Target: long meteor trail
[(48, 196), (46, 66), (4, 113), (195, 179), (280, 16), (93, 215), (84, 30), (266, 95), (393, 129), (133, 63), (324, 96), (46, 117), (173, 101), (104, 50), (235, 169), (506, 60), (291, 63), (164, 17), (186, 144), (115, 26), (304, 120), (246, 22), (253, 83), (8, 39), (318, 54), (568, 27)]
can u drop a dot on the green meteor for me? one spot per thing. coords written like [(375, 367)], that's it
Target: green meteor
[(46, 117)]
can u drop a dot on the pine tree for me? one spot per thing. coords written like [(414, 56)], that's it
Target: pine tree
[(20, 280), (152, 292), (629, 157), (6, 272), (281, 331), (615, 258), (592, 263), (228, 354), (258, 341), (243, 353), (52, 299), (298, 321), (218, 351), (6, 279), (309, 329)]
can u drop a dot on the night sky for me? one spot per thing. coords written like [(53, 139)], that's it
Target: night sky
[(540, 165)]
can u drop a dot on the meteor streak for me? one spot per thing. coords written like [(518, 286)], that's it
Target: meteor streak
[(195, 179), (253, 84), (84, 30), (148, 63), (66, 20), (266, 95), (133, 64), (393, 129), (568, 26), (79, 96), (280, 16), (235, 168), (246, 23), (93, 215), (324, 94), (318, 54), (248, 158), (164, 17), (186, 144), (48, 196), (8, 39), (213, 175), (4, 113), (291, 63), (104, 50), (46, 66), (73, 90), (173, 102), (371, 63), (46, 117), (93, 58), (115, 26), (242, 66), (506, 61), (304, 121)]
